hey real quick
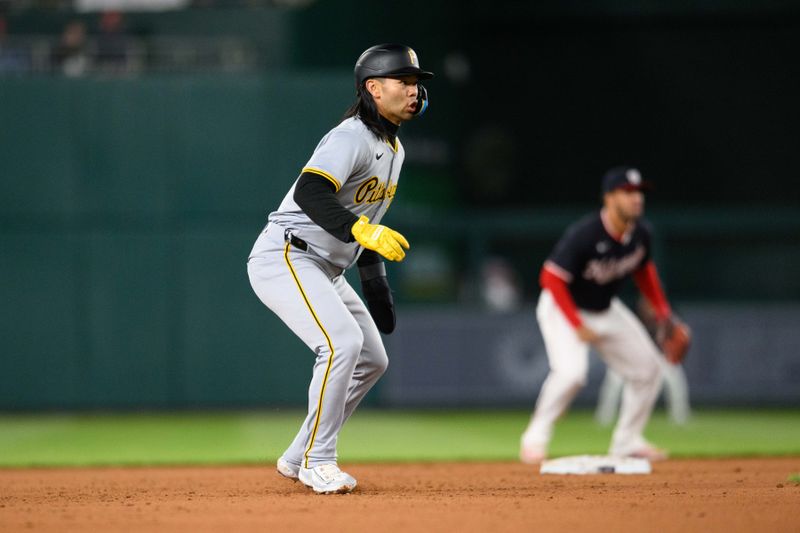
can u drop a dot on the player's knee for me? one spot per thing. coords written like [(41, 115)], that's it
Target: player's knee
[(574, 379), (380, 364), (373, 359), (654, 371), (349, 345), (648, 371)]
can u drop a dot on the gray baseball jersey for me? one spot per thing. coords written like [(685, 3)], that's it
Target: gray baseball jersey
[(363, 169)]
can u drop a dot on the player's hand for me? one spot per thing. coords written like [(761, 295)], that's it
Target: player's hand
[(587, 334), (386, 241)]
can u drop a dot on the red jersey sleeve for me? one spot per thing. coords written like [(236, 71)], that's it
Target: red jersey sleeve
[(646, 278), (550, 280)]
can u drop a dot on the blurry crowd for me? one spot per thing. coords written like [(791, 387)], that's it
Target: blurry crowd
[(110, 50), (114, 42), (80, 49)]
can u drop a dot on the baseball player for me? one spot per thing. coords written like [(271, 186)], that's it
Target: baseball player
[(579, 307), (329, 221)]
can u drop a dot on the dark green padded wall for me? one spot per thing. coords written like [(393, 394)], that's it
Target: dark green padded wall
[(128, 210)]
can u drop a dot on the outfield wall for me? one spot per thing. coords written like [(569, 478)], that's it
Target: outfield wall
[(741, 355), (128, 208), (232, 356)]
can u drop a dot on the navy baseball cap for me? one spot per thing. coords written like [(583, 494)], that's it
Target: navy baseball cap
[(627, 178)]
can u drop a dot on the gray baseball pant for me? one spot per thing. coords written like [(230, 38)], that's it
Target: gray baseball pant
[(314, 299)]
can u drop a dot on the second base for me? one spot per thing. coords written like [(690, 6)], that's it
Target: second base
[(596, 464)]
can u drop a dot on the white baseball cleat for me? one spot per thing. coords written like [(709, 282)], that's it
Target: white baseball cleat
[(649, 452), (644, 450), (327, 479), (287, 469), (532, 454)]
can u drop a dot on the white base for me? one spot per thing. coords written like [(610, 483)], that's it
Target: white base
[(596, 464)]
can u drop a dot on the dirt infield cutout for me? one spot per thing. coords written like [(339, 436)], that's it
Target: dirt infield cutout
[(727, 495)]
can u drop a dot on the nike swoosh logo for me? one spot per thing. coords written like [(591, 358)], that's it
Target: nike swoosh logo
[(378, 156)]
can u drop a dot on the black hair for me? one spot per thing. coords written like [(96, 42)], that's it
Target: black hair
[(365, 109)]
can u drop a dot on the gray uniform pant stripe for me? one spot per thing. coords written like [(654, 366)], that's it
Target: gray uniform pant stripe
[(324, 311)]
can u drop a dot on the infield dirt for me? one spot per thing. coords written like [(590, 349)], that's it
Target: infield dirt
[(727, 495)]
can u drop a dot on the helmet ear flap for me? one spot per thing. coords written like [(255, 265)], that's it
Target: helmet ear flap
[(422, 100)]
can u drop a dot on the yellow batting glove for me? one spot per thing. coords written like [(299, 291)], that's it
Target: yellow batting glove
[(381, 239)]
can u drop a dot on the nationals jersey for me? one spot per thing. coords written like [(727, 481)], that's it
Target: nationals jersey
[(594, 264), (364, 171)]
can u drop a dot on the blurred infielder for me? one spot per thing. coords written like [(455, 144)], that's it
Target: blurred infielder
[(329, 221), (579, 307)]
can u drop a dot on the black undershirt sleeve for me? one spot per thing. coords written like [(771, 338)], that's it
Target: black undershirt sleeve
[(316, 197), (368, 257)]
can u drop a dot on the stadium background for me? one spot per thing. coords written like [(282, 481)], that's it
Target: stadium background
[(133, 189)]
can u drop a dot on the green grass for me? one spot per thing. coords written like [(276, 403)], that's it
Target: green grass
[(372, 435)]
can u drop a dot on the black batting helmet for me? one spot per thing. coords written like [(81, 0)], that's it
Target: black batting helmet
[(388, 60)]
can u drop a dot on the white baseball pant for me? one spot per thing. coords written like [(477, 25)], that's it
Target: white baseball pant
[(624, 346), (676, 394)]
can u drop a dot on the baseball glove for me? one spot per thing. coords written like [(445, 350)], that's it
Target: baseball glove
[(673, 337)]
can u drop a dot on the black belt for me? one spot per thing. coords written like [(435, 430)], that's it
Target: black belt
[(295, 241)]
